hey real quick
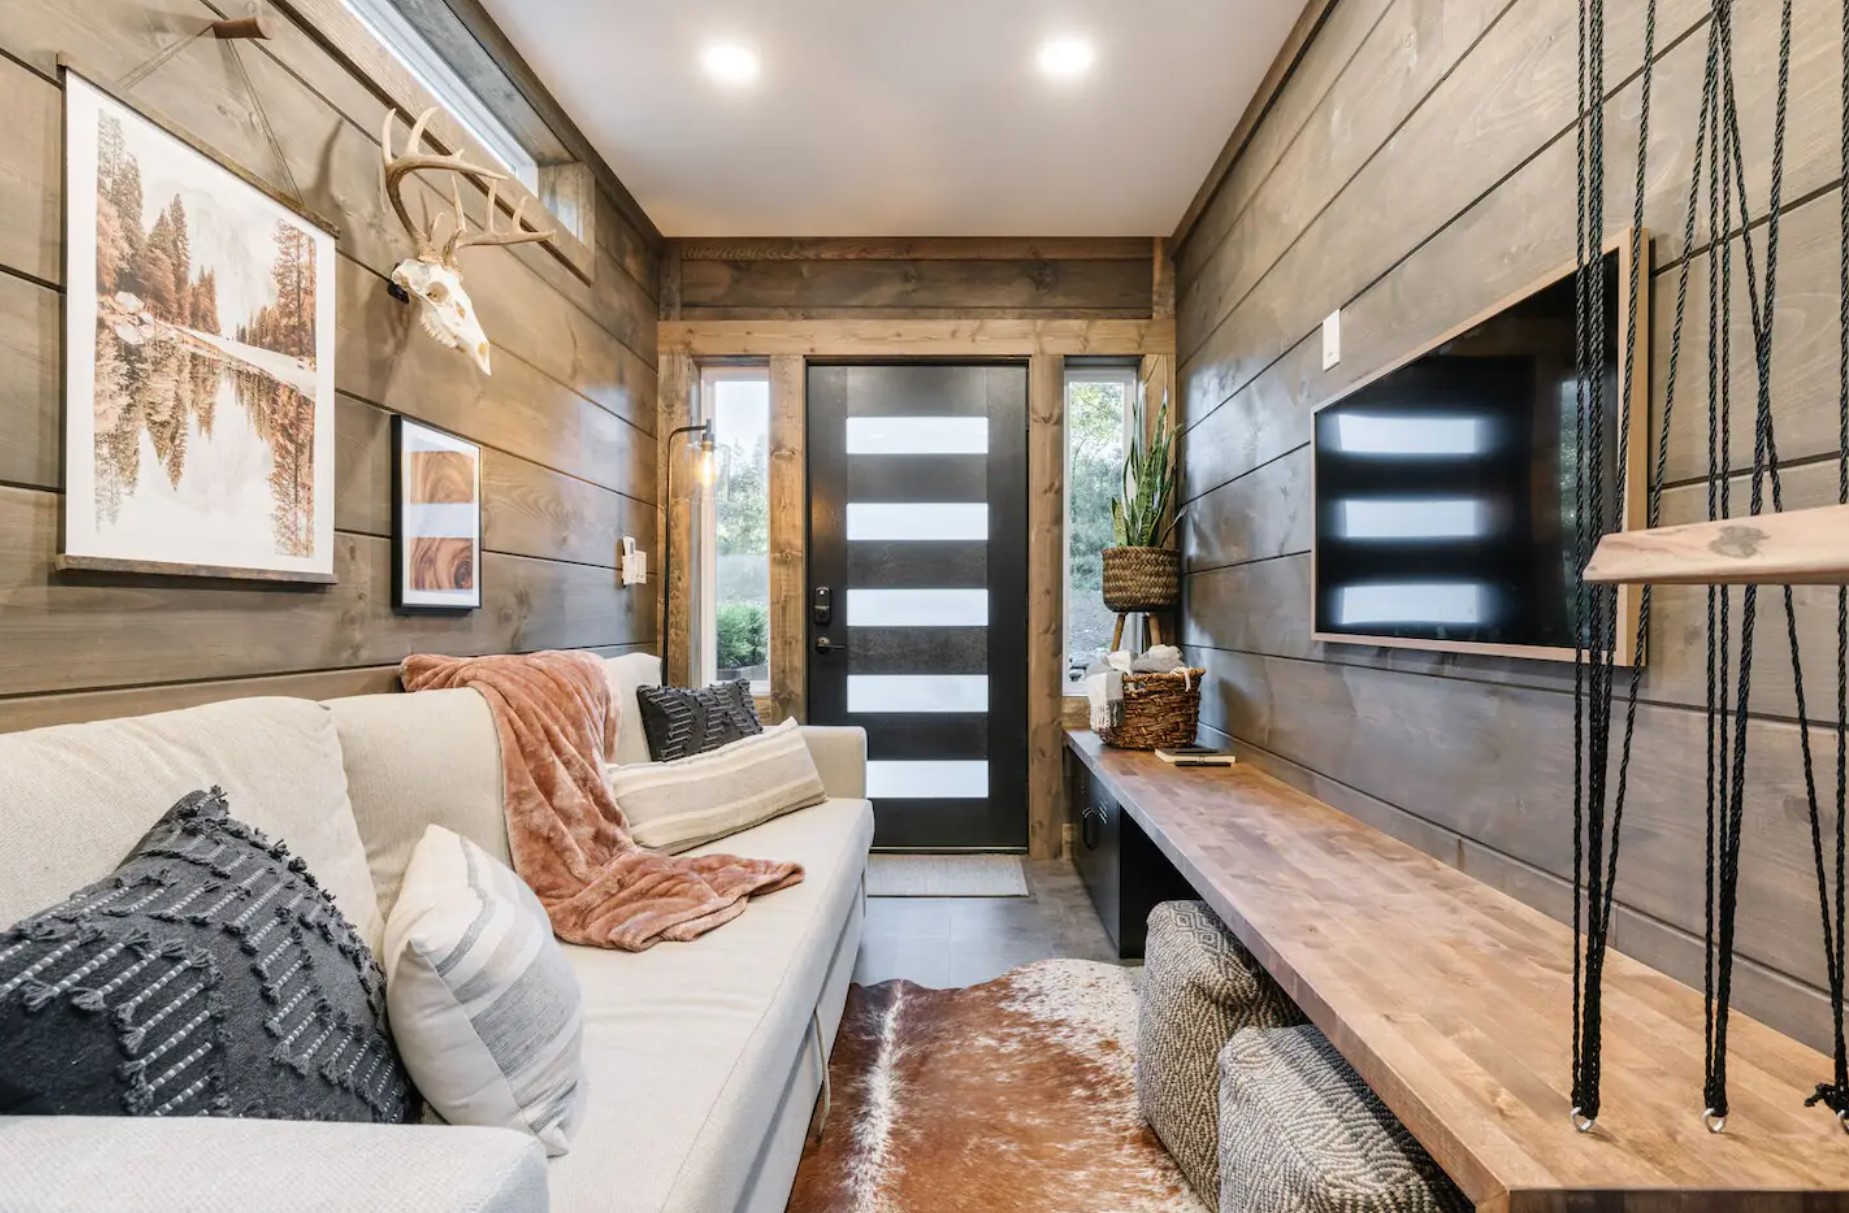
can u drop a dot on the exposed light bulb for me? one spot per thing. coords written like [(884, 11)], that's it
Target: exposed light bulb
[(730, 63), (1067, 57), (703, 462)]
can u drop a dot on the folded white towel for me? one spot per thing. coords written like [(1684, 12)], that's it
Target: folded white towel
[(1104, 689), (1104, 680)]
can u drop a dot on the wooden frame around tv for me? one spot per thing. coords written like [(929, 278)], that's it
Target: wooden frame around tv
[(1634, 475)]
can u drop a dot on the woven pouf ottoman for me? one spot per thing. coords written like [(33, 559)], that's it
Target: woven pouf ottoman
[(1199, 987), (1300, 1132)]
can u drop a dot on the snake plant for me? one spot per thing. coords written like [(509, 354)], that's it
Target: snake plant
[(1141, 515)]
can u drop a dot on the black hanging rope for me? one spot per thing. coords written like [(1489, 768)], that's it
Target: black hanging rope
[(1834, 1094), (1595, 842), (1588, 812), (1595, 839)]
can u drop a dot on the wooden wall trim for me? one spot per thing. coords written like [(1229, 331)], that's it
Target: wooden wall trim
[(1289, 55), (916, 248), (1046, 577), (789, 536), (915, 338), (679, 400)]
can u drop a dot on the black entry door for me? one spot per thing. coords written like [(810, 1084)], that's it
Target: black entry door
[(918, 593)]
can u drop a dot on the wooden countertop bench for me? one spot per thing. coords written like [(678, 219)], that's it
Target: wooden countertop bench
[(1454, 1002)]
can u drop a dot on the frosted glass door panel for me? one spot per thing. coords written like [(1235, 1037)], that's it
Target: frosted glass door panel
[(917, 520), (902, 780), (917, 693), (917, 435), (918, 608)]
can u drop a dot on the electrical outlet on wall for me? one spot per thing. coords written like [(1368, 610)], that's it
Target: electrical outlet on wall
[(632, 562), (1332, 339)]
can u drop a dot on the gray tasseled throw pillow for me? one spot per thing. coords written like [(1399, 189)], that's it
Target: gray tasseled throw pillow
[(211, 975)]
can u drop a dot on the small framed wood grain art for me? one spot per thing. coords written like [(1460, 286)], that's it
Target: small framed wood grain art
[(436, 519)]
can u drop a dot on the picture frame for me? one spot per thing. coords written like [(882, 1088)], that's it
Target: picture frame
[(436, 520), (199, 357)]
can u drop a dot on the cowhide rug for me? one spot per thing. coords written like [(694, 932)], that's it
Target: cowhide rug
[(1015, 1096)]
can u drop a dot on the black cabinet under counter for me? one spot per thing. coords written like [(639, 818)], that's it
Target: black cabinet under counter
[(1125, 873)]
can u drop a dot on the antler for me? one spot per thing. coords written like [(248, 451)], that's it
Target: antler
[(515, 234), (397, 168)]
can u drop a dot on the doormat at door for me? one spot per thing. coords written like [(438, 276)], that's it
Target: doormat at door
[(946, 876), (1016, 1095)]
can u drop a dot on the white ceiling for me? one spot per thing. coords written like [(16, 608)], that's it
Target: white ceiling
[(904, 117)]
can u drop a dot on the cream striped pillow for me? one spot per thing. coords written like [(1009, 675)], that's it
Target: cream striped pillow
[(483, 1005), (675, 806)]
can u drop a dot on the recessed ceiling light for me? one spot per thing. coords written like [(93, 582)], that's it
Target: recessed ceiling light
[(1066, 58), (730, 63)]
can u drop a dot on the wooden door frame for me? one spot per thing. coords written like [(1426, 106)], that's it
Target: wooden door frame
[(786, 346)]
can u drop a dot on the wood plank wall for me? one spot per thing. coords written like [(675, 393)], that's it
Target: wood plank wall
[(899, 280), (567, 420), (1418, 165), (855, 279)]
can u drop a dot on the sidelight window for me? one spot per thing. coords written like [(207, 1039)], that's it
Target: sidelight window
[(1100, 409), (734, 640)]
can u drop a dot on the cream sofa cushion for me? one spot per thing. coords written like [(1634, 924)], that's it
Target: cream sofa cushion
[(75, 799), (417, 760), (626, 673), (689, 1046)]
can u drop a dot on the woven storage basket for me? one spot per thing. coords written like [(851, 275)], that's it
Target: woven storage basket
[(1141, 579), (1159, 710)]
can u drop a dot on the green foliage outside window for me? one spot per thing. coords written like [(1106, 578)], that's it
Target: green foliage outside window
[(743, 515), (744, 635), (1095, 434)]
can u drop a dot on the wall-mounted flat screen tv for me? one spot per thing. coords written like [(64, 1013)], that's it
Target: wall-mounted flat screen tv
[(1446, 509)]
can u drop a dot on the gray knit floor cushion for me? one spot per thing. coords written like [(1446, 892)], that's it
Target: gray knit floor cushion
[(1301, 1133), (1200, 986)]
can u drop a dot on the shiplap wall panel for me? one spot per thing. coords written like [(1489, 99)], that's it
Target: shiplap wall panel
[(1412, 48), (797, 279), (533, 307), (829, 287), (566, 421), (1469, 199), (1322, 63), (1507, 100)]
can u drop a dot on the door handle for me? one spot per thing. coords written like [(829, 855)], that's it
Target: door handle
[(824, 645)]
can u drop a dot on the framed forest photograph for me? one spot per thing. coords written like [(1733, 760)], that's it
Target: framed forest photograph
[(199, 359), (436, 519)]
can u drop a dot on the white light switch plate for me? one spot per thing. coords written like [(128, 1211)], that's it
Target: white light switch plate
[(1332, 339)]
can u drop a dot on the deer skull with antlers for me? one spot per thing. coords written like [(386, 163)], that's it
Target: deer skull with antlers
[(432, 277)]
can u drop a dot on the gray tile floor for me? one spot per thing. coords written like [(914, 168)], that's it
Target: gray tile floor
[(945, 942)]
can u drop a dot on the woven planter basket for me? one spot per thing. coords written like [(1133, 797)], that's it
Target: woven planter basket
[(1159, 710), (1141, 579)]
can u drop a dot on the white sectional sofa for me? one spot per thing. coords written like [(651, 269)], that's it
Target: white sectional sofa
[(704, 1059)]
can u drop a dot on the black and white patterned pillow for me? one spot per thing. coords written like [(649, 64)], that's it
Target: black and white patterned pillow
[(681, 721), (211, 975)]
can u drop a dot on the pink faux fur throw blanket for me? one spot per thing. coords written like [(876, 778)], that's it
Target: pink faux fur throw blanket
[(569, 841)]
